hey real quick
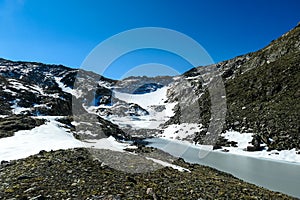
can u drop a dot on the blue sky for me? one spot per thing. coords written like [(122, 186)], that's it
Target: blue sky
[(66, 31)]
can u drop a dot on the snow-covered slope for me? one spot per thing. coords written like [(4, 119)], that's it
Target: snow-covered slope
[(49, 136), (151, 112)]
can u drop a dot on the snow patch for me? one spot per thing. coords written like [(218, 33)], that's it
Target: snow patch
[(107, 143), (75, 93), (17, 109), (49, 136), (166, 164), (144, 100), (243, 140), (180, 131)]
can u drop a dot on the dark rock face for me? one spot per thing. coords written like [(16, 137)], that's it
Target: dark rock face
[(34, 87), (142, 84), (11, 124), (97, 128), (136, 110), (102, 96), (147, 88), (256, 144)]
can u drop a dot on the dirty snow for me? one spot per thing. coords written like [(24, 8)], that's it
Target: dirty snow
[(180, 131)]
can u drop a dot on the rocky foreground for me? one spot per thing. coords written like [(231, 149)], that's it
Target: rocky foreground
[(76, 174)]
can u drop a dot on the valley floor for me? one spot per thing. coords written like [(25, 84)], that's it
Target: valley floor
[(63, 173), (52, 136)]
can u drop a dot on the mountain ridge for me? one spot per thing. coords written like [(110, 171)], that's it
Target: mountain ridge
[(241, 75), (262, 101)]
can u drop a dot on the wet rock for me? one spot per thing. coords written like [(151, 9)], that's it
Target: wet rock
[(256, 144), (217, 147), (252, 148)]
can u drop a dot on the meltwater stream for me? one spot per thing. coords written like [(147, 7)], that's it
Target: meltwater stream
[(277, 176)]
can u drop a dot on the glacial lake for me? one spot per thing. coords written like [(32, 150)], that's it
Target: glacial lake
[(274, 175)]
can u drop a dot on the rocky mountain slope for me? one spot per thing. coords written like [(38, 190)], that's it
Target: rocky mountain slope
[(262, 94), (257, 93), (265, 96), (36, 89)]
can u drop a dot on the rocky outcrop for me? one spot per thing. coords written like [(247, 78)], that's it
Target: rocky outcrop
[(263, 99), (262, 90), (91, 126), (11, 124)]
